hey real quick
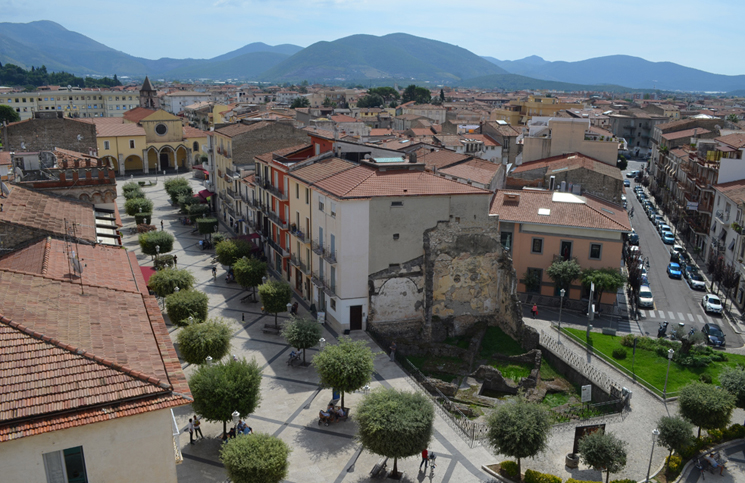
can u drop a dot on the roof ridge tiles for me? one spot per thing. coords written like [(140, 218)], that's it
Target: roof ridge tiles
[(47, 253), (83, 353), (69, 281)]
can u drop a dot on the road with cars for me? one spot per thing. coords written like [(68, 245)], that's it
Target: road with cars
[(674, 300)]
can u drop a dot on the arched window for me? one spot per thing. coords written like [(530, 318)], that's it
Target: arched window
[(195, 147)]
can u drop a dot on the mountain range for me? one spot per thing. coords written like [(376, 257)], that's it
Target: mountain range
[(364, 59)]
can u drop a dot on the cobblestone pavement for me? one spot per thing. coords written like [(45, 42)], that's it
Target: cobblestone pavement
[(291, 397)]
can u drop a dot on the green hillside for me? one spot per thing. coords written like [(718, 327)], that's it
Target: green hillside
[(246, 67), (513, 82)]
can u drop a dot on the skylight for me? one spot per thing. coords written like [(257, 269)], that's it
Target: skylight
[(544, 211)]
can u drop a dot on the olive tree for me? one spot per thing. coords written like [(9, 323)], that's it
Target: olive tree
[(256, 458), (249, 272), (275, 295), (224, 387), (603, 451), (346, 366), (164, 282), (186, 303), (395, 424), (705, 405), (302, 334), (676, 433), (519, 430), (198, 340), (733, 380)]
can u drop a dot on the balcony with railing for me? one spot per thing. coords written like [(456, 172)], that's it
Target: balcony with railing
[(297, 233), (723, 216), (329, 255), (244, 196), (275, 191), (277, 248), (232, 195), (317, 248), (317, 280), (329, 288), (276, 220)]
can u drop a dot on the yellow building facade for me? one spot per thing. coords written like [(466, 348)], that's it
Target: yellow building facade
[(521, 111)]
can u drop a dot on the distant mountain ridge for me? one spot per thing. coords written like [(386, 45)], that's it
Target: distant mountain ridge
[(365, 59), (625, 70)]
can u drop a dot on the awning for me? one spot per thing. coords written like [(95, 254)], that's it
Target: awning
[(147, 272), (198, 166), (250, 237), (204, 194)]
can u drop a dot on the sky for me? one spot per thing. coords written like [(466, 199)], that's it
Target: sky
[(694, 33)]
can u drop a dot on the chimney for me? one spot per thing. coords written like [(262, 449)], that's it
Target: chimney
[(412, 157), (563, 186)]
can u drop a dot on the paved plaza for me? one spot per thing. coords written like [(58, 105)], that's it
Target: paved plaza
[(291, 397)]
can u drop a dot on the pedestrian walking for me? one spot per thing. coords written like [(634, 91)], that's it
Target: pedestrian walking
[(214, 273), (190, 427), (175, 260), (161, 225), (425, 460), (197, 429), (534, 310), (393, 351)]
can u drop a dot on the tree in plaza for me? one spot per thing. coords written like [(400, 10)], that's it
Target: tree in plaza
[(676, 434), (419, 95), (622, 164), (346, 366), (221, 388), (187, 303), (519, 430), (302, 334), (249, 272), (687, 341), (564, 272), (603, 451), (300, 102), (256, 458), (164, 282), (733, 118), (605, 279), (150, 240), (136, 205), (386, 93), (8, 114), (275, 295), (732, 379), (230, 251), (706, 405), (172, 185), (200, 339), (730, 279), (395, 424), (132, 190)]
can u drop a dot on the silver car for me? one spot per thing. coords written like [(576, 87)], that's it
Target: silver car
[(645, 298)]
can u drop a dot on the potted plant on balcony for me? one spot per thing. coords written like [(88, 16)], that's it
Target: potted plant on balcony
[(293, 228)]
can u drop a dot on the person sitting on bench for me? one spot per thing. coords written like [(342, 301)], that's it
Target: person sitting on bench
[(340, 413)]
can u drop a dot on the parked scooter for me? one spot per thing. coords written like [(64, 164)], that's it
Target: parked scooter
[(662, 331)]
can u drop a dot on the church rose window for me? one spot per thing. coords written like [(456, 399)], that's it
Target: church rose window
[(161, 129)]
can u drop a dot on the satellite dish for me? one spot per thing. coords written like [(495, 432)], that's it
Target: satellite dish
[(23, 145), (5, 189), (80, 137), (76, 266)]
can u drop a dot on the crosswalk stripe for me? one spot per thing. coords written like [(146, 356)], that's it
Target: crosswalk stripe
[(690, 317), (662, 314), (700, 319), (672, 315), (709, 319), (680, 316)]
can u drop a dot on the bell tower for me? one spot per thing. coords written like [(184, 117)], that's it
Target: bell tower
[(149, 96)]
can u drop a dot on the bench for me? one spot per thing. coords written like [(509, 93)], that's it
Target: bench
[(379, 467), (270, 329)]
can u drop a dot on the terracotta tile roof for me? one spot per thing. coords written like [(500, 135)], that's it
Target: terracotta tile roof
[(570, 161), (504, 129), (521, 206), (343, 118), (367, 182), (322, 169), (186, 93), (421, 131), (48, 212), (685, 134), (734, 190), (106, 129), (380, 132), (449, 139), (236, 129), (480, 137), (267, 157), (137, 114), (323, 133), (440, 158), (736, 140), (5, 158), (249, 180), (477, 170), (192, 132)]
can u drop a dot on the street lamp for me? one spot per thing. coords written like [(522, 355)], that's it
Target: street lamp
[(157, 248), (191, 320), (289, 308), (670, 354), (263, 280), (562, 292), (236, 416), (655, 433), (176, 289), (322, 342), (208, 360)]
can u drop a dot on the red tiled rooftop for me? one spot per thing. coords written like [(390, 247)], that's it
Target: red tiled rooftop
[(48, 212), (570, 161), (685, 134), (236, 129), (477, 170), (521, 206), (735, 140), (439, 158), (137, 114), (343, 118), (322, 169), (192, 132), (110, 129)]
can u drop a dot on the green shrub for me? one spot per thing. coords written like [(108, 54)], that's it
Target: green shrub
[(187, 201), (143, 218), (536, 477), (197, 210), (736, 431), (132, 190), (626, 480), (180, 191), (164, 282), (143, 228), (716, 435), (705, 378), (201, 339), (509, 467), (572, 480), (619, 353), (217, 238), (674, 463), (133, 206), (206, 226), (149, 241), (163, 261), (185, 303), (173, 184)]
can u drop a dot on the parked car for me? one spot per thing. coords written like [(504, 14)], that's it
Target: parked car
[(631, 174), (714, 335), (677, 249), (633, 239), (662, 227), (695, 280), (645, 298), (626, 182), (711, 303), (668, 238), (673, 270)]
